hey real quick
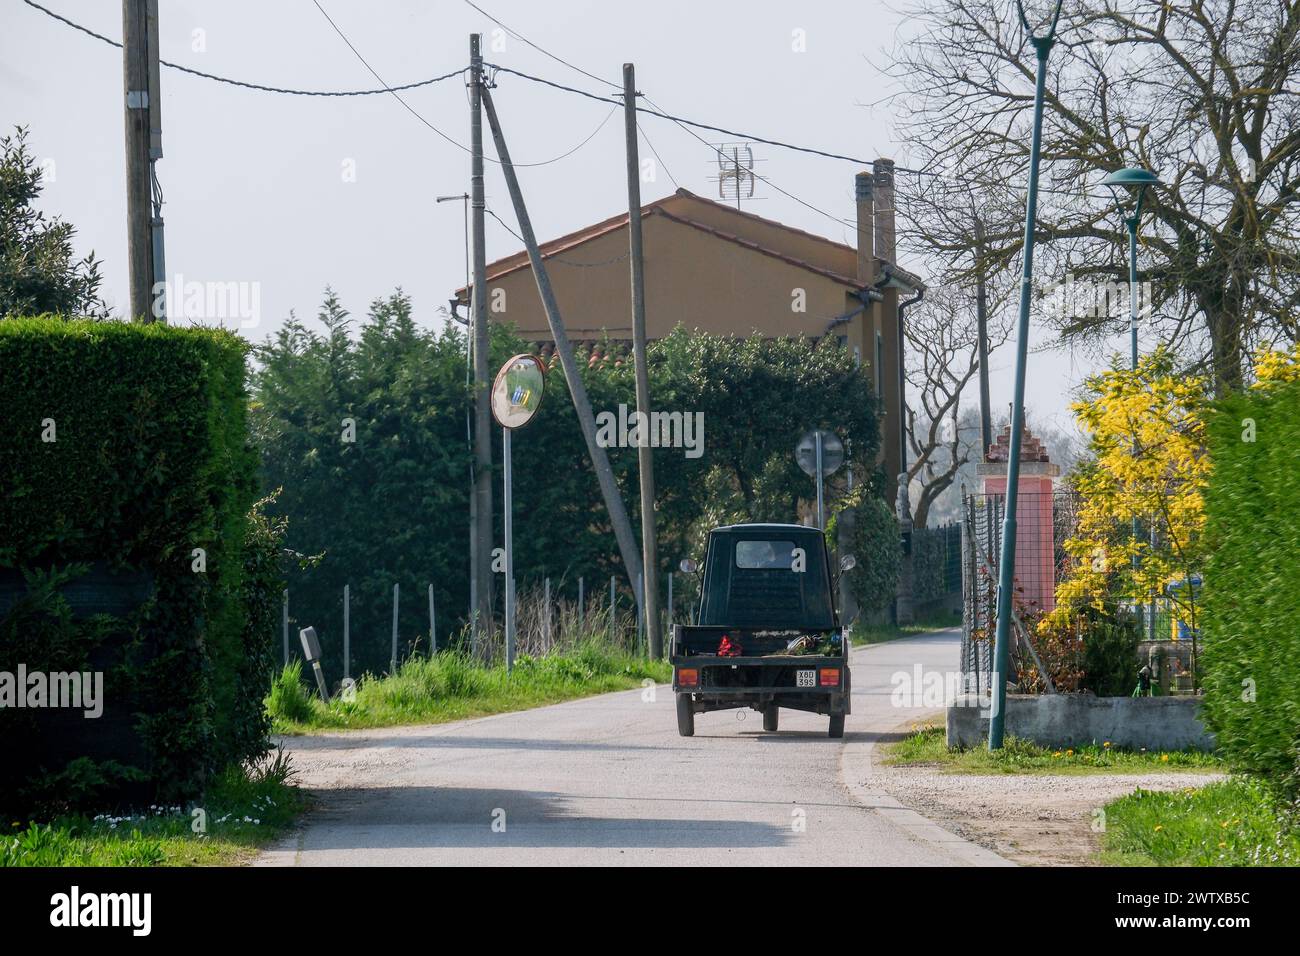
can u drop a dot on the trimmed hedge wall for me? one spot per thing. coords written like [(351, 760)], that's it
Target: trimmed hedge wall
[(876, 544), (1250, 654), (125, 448)]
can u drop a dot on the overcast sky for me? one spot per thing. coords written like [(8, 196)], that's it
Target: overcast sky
[(295, 193)]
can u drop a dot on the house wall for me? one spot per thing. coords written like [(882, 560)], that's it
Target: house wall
[(692, 278)]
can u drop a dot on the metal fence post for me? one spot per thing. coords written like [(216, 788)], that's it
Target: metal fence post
[(347, 631), (433, 626), (612, 607), (284, 618), (581, 609), (546, 612), (392, 669)]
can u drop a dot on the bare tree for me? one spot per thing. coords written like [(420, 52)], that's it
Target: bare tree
[(942, 359), (1204, 92)]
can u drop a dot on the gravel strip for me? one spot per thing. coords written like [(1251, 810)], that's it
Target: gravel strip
[(1033, 819)]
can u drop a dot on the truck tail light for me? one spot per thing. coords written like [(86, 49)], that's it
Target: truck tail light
[(688, 677), (829, 677)]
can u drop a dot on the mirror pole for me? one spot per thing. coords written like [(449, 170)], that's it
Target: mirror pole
[(507, 502)]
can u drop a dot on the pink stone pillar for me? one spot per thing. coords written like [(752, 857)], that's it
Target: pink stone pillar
[(1035, 571)]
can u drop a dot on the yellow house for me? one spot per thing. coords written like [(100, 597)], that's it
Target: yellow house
[(713, 267)]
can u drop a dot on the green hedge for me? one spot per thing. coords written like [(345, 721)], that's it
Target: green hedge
[(1250, 656), (876, 544), (936, 554), (150, 461)]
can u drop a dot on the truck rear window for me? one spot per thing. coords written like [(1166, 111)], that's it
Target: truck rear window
[(765, 554)]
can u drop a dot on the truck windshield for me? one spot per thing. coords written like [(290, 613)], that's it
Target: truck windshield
[(767, 582)]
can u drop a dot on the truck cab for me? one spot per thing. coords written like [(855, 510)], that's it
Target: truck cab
[(767, 635)]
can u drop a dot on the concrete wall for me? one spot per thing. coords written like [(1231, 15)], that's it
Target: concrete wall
[(1075, 720)]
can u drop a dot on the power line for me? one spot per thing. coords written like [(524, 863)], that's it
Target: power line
[(676, 185), (544, 52), (685, 124), (410, 109), (565, 155), (243, 83), (763, 178), (752, 137), (681, 121), (397, 97)]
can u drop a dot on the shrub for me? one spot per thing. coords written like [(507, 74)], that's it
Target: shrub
[(125, 450), (1251, 644), (878, 550), (1110, 654)]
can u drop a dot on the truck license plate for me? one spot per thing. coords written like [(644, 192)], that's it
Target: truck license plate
[(805, 678)]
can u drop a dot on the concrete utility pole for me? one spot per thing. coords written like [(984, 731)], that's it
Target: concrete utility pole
[(645, 458), (577, 390), (482, 410), (143, 146), (982, 324)]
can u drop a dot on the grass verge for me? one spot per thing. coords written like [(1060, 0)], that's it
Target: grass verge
[(1231, 823), (451, 686), (861, 634), (245, 809), (928, 747)]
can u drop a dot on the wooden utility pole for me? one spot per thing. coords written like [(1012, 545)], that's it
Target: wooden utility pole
[(649, 600), (577, 390), (482, 410), (143, 146), (982, 326)]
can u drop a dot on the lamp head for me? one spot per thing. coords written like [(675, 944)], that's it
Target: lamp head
[(1127, 186), (1133, 177)]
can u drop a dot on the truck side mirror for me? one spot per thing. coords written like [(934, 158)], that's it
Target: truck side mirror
[(689, 566), (848, 562)]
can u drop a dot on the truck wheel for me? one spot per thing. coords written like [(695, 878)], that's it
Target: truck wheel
[(685, 716), (837, 725), (771, 716)]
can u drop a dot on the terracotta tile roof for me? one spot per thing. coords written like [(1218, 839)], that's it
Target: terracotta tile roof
[(666, 207), (589, 351)]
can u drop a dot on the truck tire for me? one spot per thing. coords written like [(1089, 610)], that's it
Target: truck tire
[(837, 726), (685, 716), (771, 717)]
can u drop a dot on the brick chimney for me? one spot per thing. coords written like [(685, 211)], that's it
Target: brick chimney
[(864, 189), (884, 219)]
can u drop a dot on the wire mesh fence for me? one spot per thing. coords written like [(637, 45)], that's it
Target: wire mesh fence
[(551, 616), (1165, 629)]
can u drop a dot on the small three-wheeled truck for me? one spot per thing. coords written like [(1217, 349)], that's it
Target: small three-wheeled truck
[(767, 634)]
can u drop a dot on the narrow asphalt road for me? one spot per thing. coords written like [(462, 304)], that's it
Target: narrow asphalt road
[(607, 780)]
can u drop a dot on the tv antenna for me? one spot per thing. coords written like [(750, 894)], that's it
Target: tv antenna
[(736, 179)]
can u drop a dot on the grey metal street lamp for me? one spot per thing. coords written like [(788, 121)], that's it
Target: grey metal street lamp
[(1128, 186), (1042, 44)]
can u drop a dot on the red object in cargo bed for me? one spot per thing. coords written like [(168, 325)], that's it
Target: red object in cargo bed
[(728, 649)]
